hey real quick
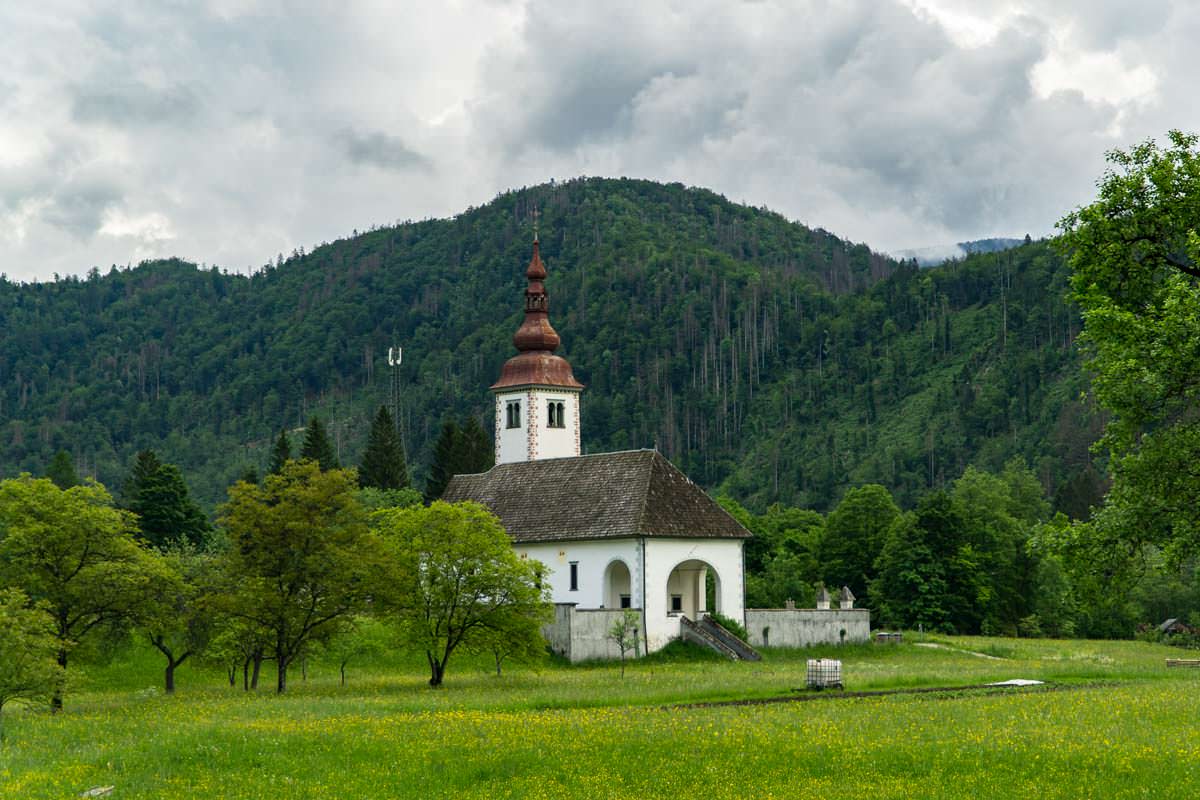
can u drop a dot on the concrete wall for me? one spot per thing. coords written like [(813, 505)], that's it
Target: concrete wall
[(593, 558), (581, 634), (558, 632), (802, 627)]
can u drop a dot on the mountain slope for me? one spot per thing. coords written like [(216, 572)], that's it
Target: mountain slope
[(776, 361)]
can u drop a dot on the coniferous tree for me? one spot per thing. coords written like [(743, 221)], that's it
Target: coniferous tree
[(444, 466), (145, 467), (317, 446), (62, 470), (156, 492), (280, 453), (476, 453), (383, 465)]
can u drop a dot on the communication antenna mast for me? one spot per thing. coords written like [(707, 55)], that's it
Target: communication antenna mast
[(395, 357)]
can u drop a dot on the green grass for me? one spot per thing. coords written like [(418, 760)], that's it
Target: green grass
[(1120, 726)]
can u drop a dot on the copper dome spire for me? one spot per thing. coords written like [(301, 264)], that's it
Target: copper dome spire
[(536, 338)]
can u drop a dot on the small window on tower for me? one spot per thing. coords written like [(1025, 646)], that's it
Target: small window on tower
[(554, 414), (513, 410), (574, 576)]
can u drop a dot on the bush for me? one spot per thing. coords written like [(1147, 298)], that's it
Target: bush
[(731, 625)]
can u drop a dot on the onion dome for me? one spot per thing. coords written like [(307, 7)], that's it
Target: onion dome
[(536, 364)]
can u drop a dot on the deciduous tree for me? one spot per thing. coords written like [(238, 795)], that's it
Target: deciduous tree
[(75, 553), (854, 536), (1135, 260), (179, 615), (456, 578), (28, 646), (300, 556)]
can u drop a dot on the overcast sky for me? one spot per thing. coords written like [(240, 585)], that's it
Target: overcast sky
[(231, 130)]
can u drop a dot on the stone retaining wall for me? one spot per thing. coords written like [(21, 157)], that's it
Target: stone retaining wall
[(803, 627), (581, 634)]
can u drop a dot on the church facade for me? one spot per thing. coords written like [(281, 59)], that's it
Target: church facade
[(617, 531)]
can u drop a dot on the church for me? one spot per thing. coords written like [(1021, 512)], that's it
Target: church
[(617, 531)]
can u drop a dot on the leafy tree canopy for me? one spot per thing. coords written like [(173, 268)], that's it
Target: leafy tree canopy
[(1135, 259), (28, 647), (457, 580), (300, 556), (76, 554)]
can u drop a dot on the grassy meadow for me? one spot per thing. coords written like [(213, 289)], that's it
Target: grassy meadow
[(1115, 724)]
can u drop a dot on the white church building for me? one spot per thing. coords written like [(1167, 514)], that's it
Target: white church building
[(617, 531)]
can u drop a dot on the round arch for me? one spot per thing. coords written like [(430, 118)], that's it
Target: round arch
[(618, 585), (693, 589)]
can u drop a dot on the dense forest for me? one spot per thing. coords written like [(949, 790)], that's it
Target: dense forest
[(770, 361)]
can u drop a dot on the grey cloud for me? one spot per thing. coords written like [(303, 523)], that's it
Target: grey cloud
[(133, 103), (859, 116), (378, 149), (79, 208)]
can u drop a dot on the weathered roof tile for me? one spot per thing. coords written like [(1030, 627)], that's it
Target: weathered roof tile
[(604, 496)]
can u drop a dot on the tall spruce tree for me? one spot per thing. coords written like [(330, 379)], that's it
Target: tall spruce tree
[(383, 465), (62, 470), (156, 492), (317, 446), (281, 452), (461, 450), (444, 466), (476, 453), (145, 467)]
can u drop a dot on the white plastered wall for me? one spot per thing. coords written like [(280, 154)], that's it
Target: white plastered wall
[(534, 439), (724, 556), (593, 557)]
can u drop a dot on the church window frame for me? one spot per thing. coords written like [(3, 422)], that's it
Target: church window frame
[(512, 410), (556, 414)]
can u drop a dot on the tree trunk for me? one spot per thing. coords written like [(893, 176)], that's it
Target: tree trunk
[(304, 669), (232, 676), (281, 675), (499, 658), (172, 663), (343, 673), (257, 661), (56, 702), (246, 675), (436, 670)]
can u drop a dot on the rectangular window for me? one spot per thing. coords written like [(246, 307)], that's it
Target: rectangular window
[(676, 602), (555, 416), (626, 601), (513, 410), (574, 576)]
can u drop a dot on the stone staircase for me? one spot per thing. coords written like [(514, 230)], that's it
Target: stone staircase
[(708, 633)]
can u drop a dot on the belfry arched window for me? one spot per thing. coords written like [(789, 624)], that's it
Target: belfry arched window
[(555, 414)]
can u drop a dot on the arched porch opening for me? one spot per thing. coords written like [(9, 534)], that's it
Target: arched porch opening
[(693, 589), (617, 585)]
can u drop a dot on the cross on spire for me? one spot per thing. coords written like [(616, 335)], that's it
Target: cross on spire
[(536, 214)]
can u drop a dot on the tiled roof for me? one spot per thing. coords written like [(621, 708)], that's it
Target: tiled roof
[(604, 496)]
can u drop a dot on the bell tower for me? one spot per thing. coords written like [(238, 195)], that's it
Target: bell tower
[(537, 396)]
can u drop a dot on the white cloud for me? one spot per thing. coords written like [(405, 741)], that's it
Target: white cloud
[(231, 131)]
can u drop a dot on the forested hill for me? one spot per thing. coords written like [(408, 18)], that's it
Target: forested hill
[(776, 362)]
